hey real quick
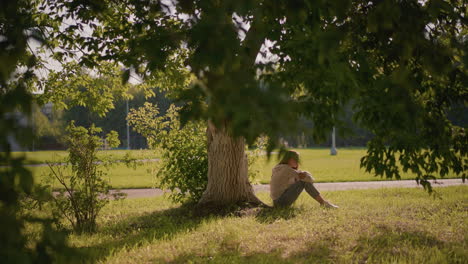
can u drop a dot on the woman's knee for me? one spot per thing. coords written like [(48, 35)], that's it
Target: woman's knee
[(300, 184)]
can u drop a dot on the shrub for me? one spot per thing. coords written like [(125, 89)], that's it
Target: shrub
[(184, 159), (84, 191)]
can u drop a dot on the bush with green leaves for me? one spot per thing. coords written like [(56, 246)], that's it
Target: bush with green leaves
[(84, 191), (184, 161)]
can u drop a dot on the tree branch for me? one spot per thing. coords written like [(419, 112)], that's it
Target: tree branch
[(254, 39)]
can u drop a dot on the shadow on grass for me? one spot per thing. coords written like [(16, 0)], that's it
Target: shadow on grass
[(269, 215), (395, 243), (135, 231), (317, 252), (387, 245)]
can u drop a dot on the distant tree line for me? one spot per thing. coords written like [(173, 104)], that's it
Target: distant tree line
[(50, 125), (349, 134)]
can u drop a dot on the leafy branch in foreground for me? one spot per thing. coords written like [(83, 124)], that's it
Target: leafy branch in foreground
[(19, 26)]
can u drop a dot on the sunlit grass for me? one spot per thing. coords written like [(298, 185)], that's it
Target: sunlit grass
[(45, 156), (119, 176), (371, 226), (343, 167), (325, 168)]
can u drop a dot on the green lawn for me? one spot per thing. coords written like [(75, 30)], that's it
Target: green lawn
[(38, 157), (119, 175), (325, 168), (371, 226)]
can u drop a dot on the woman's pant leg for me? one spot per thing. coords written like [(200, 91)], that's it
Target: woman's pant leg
[(292, 193), (311, 190)]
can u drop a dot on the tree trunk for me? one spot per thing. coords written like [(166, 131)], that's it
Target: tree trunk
[(228, 181)]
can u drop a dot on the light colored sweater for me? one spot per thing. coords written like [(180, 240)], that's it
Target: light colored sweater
[(282, 177)]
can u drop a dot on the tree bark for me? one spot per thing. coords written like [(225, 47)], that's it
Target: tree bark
[(228, 181)]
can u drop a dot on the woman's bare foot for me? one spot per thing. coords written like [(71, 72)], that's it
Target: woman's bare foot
[(327, 204)]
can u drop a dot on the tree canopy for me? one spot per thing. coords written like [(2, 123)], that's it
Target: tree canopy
[(255, 67), (248, 68)]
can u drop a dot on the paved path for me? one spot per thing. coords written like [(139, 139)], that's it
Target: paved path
[(326, 186)]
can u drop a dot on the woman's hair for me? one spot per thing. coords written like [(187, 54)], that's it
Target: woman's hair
[(290, 154)]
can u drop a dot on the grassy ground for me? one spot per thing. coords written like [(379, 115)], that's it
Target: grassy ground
[(325, 168), (371, 226), (119, 175)]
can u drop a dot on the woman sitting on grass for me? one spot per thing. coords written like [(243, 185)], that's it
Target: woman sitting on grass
[(287, 182)]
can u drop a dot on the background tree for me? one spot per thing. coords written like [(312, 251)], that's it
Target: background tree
[(75, 85), (115, 119), (183, 168), (258, 66)]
